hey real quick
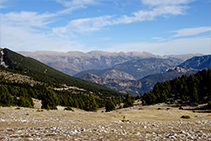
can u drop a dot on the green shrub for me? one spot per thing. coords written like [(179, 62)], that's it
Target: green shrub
[(178, 105), (159, 108), (18, 108), (68, 108), (196, 104), (110, 106), (39, 110), (185, 116), (180, 108), (124, 120), (209, 104)]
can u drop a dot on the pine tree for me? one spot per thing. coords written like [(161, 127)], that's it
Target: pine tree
[(5, 98), (49, 100), (128, 101), (91, 104), (110, 106)]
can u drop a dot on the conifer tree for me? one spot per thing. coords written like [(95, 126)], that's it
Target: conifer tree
[(128, 101), (49, 100), (91, 104), (110, 106)]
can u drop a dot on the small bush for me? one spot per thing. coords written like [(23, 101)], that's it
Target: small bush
[(68, 108), (209, 104), (185, 116), (39, 110), (159, 108), (194, 111), (180, 108), (124, 120), (196, 104), (18, 108), (167, 109), (178, 105)]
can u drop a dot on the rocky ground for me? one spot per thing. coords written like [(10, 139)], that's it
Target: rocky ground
[(142, 123)]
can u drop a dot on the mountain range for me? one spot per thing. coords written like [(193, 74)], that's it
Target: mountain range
[(74, 62), (135, 69), (131, 72), (159, 73)]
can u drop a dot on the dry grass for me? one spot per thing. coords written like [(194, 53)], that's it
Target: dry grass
[(165, 121)]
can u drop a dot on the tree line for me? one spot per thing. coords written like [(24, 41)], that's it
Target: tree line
[(22, 94), (185, 89)]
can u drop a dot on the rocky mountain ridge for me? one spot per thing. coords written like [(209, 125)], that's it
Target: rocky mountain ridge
[(74, 62), (138, 87), (135, 68)]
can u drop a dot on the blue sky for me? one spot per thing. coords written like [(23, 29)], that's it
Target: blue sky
[(158, 26)]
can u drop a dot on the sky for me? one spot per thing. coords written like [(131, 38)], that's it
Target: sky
[(161, 27)]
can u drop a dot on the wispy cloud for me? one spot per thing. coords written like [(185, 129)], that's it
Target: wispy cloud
[(191, 31), (165, 2), (72, 5), (156, 8), (20, 38), (88, 24), (27, 19)]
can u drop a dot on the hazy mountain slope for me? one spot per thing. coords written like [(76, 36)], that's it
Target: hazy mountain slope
[(123, 86), (141, 68), (199, 62), (138, 87), (181, 58), (136, 68), (108, 73), (75, 62), (149, 81)]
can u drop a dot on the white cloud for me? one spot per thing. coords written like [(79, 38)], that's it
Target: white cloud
[(19, 39), (85, 25), (179, 46), (191, 31), (27, 19), (167, 8), (150, 15), (72, 5), (165, 2)]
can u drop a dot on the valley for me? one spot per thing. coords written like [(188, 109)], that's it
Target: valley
[(38, 102)]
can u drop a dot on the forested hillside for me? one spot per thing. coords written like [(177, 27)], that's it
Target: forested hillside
[(184, 89)]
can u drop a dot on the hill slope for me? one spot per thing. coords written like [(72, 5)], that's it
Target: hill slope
[(199, 62), (45, 73), (27, 78), (136, 68), (138, 87)]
